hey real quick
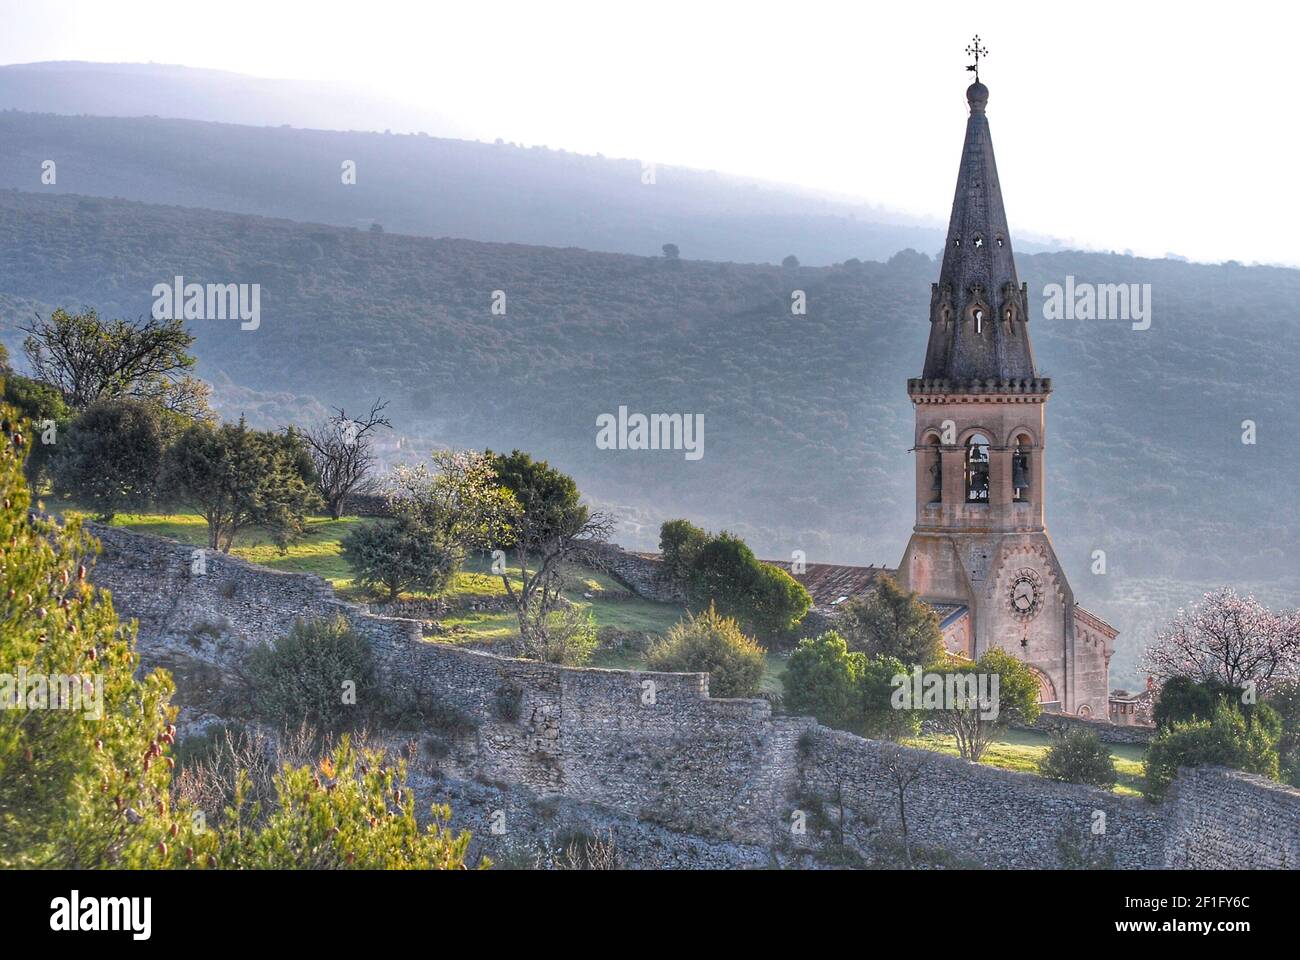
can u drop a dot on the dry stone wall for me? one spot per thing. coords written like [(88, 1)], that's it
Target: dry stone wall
[(709, 781)]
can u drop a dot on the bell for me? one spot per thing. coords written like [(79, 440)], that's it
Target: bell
[(1020, 470)]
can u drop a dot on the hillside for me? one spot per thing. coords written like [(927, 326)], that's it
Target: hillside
[(807, 422), (443, 188)]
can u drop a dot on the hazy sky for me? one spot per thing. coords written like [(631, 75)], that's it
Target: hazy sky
[(1151, 126)]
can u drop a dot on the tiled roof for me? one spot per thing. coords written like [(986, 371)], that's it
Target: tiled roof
[(831, 583)]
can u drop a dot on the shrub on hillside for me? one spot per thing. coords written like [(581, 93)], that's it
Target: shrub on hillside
[(708, 642), (1079, 756), (397, 555), (723, 571), (1224, 741), (321, 673)]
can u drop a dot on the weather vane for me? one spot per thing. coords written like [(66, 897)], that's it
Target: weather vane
[(976, 51)]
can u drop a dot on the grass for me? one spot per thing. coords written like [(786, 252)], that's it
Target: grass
[(1021, 750)]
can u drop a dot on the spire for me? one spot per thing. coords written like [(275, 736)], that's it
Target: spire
[(978, 309)]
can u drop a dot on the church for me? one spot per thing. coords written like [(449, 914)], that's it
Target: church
[(980, 552)]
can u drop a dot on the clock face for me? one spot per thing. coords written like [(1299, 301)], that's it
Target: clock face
[(1026, 595)]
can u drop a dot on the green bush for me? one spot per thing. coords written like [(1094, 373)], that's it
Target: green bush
[(396, 555), (321, 672), (1224, 741), (1078, 756), (823, 679), (709, 642), (846, 690)]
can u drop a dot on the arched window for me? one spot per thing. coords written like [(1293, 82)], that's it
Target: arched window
[(977, 469), (1020, 468), (934, 466)]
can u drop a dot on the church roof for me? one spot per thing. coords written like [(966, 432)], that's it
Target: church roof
[(979, 337)]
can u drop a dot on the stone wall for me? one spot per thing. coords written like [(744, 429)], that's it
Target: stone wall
[(644, 576), (682, 777), (1226, 819), (976, 813), (1106, 732)]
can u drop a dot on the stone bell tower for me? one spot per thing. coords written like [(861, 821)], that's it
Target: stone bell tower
[(980, 539)]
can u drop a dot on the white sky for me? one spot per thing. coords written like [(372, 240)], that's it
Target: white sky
[(1151, 126)]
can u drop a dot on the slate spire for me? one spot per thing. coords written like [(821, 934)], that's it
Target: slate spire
[(979, 335)]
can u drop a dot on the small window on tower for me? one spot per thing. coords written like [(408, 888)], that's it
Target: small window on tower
[(1001, 242), (977, 469), (956, 241)]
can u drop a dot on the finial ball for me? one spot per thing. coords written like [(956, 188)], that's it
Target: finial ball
[(977, 95)]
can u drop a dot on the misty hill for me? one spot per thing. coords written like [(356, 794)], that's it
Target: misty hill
[(807, 423), (407, 183), (170, 90)]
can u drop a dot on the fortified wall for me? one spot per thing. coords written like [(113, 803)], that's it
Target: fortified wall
[(697, 773)]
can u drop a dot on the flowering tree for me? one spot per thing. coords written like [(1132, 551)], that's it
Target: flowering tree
[(1229, 639)]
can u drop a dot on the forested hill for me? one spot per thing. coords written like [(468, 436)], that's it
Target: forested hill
[(443, 188), (807, 423)]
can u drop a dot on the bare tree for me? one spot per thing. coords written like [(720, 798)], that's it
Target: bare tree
[(1230, 639), (342, 449), (88, 359), (904, 768)]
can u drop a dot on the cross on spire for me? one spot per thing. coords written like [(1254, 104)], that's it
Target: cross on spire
[(976, 51)]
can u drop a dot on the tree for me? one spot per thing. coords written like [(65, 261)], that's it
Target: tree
[(109, 457), (973, 722), (1229, 639), (1079, 756), (670, 251), (680, 543), (548, 524), (85, 771), (790, 262), (87, 359), (711, 643), (397, 555), (43, 406), (1224, 741), (766, 600), (342, 451), (459, 504), (238, 478), (892, 622), (823, 679), (82, 739)]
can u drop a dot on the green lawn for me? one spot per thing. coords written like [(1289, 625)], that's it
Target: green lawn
[(320, 552), (1021, 750)]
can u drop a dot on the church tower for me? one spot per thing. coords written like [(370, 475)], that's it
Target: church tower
[(980, 551)]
